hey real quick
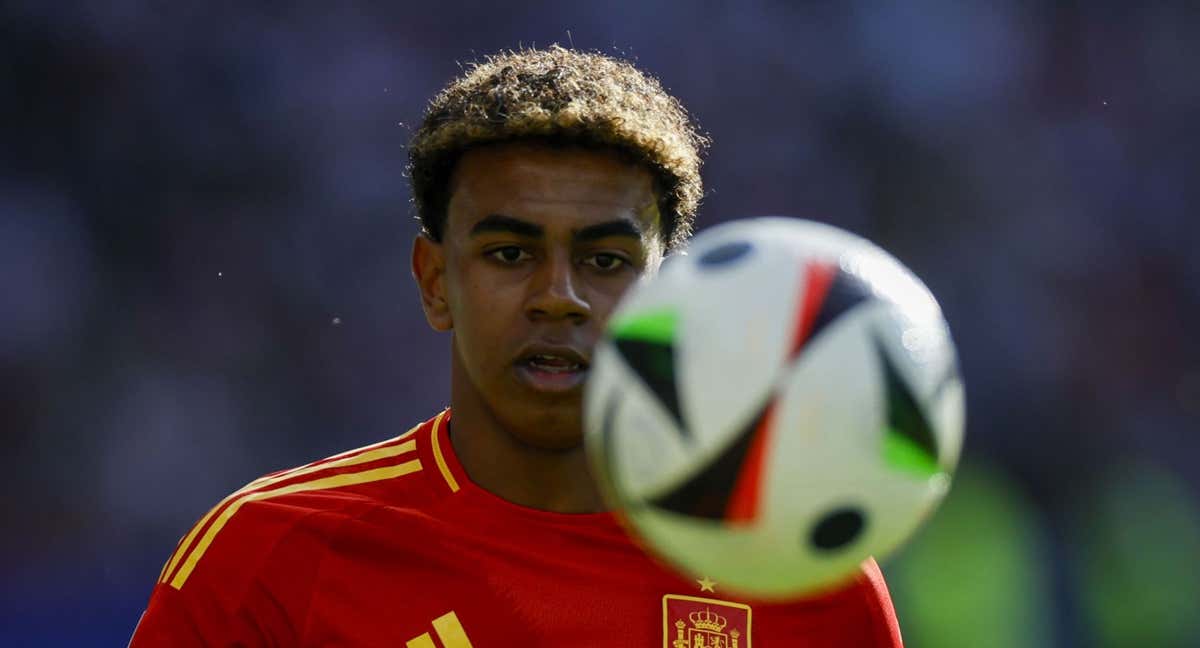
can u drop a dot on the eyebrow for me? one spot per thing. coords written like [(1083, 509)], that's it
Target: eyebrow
[(508, 224), (611, 228)]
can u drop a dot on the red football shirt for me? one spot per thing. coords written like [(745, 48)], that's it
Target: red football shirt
[(392, 545)]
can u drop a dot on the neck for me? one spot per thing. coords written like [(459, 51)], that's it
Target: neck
[(497, 460)]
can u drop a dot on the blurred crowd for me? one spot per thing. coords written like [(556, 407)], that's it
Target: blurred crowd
[(205, 229)]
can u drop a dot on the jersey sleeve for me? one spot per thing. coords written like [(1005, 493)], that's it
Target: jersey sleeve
[(241, 577), (858, 614), (877, 607)]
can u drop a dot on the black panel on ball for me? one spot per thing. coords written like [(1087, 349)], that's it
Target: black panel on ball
[(724, 254), (837, 529), (707, 493), (845, 292), (904, 415), (654, 363)]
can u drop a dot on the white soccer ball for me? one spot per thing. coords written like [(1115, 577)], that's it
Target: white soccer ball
[(775, 407)]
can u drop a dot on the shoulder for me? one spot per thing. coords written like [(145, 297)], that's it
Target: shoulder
[(298, 510), (859, 613), (244, 573), (877, 604)]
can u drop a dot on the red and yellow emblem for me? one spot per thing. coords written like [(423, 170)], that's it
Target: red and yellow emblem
[(694, 622)]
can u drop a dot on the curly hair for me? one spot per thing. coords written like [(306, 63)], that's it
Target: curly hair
[(561, 97)]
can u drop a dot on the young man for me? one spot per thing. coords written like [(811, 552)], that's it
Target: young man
[(546, 182)]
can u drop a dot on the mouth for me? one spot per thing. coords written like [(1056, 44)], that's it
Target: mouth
[(552, 369)]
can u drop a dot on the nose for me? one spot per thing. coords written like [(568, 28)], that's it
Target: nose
[(556, 293)]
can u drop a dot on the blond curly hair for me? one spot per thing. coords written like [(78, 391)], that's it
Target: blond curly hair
[(562, 97)]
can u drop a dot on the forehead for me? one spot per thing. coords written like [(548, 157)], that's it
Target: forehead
[(550, 185)]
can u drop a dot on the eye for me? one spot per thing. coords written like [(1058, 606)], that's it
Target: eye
[(606, 262), (509, 254)]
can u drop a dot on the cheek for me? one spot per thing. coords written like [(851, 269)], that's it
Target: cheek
[(486, 318), (471, 292), (605, 298), (492, 301)]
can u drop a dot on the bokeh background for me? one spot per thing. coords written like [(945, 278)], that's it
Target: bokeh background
[(204, 237)]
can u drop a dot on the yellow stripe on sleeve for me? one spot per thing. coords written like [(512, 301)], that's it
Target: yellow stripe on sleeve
[(327, 460), (168, 562), (353, 459), (421, 641), (336, 481), (437, 454), (450, 631)]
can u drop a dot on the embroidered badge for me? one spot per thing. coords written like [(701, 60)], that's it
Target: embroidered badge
[(695, 622)]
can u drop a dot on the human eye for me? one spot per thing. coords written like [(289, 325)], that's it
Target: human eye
[(508, 254), (606, 262)]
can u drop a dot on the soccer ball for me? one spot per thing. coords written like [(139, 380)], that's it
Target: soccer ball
[(775, 407)]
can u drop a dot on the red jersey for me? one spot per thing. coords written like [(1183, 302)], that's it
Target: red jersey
[(392, 545)]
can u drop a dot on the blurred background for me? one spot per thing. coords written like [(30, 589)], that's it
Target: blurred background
[(205, 229)]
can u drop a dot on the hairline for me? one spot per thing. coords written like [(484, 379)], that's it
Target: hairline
[(560, 143)]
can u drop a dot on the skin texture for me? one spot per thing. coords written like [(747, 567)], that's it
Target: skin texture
[(499, 289)]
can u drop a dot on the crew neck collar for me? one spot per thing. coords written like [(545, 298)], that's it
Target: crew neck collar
[(460, 485)]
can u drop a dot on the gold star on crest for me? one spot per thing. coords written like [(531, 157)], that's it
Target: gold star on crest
[(707, 585)]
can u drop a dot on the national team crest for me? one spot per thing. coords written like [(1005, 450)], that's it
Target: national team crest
[(694, 622)]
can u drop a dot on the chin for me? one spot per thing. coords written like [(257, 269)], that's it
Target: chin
[(555, 427)]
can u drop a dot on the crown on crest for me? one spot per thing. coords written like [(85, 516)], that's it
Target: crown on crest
[(706, 620)]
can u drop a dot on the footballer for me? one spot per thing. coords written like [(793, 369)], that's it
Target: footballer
[(546, 182)]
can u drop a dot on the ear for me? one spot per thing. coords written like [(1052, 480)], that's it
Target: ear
[(429, 271)]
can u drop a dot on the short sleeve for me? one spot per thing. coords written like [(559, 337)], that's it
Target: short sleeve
[(878, 606), (243, 579)]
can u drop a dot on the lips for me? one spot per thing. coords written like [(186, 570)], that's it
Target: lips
[(551, 368), (553, 363), (553, 358)]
